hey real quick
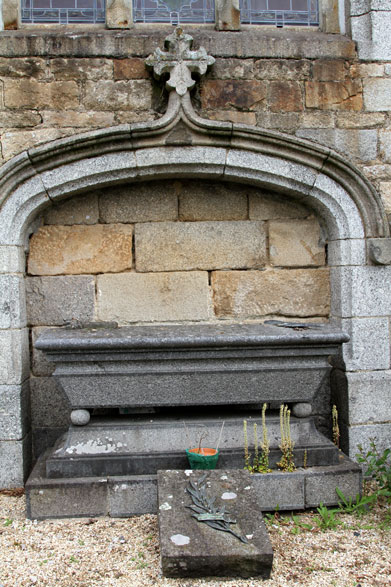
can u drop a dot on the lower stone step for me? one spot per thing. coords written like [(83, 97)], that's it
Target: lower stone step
[(211, 525), (123, 496)]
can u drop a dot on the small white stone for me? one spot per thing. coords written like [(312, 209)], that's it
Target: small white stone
[(165, 506), (229, 495), (223, 477), (249, 536), (180, 539), (247, 488), (188, 472)]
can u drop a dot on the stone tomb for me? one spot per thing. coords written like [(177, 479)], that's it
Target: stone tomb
[(190, 548), (203, 374)]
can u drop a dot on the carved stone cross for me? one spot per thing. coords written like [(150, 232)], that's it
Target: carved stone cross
[(179, 61)]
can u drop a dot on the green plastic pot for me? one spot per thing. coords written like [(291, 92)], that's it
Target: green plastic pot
[(202, 458)]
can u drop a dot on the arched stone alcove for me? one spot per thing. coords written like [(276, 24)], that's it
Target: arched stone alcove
[(181, 145)]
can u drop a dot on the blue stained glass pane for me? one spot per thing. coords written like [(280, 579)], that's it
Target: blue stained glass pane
[(280, 12), (173, 11), (63, 11)]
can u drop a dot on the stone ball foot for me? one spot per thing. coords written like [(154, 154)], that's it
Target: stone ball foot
[(302, 410), (80, 417)]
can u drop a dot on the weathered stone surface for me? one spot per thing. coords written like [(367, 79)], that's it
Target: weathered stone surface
[(385, 191), (118, 13), (232, 69), (282, 69), (14, 356), (13, 143), (134, 297), (363, 291), (136, 494), (317, 119), (357, 144), (334, 95), (120, 95), (278, 491), (365, 433), (192, 549), (377, 94), (14, 411), (12, 259), (227, 15), (268, 206), (364, 120), (368, 70), (40, 365), (369, 347), (29, 67), (75, 119), (252, 294), (249, 94), (284, 121), (24, 119), (369, 397), (78, 210), (81, 69), (385, 145), (15, 459), (12, 301), (182, 246), (320, 485), (139, 202), (49, 406), (211, 201), (54, 301), (296, 243), (233, 116), (33, 94), (131, 68), (68, 250), (285, 96), (329, 70)]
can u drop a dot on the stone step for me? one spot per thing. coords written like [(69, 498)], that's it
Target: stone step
[(123, 496), (191, 548), (143, 445)]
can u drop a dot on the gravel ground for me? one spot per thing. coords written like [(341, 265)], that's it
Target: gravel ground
[(125, 552)]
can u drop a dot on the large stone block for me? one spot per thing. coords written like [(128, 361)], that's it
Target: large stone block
[(285, 96), (369, 397), (247, 94), (385, 192), (23, 119), (29, 93), (296, 243), (232, 69), (250, 294), (284, 121), (369, 346), (385, 145), (26, 67), (121, 95), (365, 120), (139, 203), (64, 250), (78, 210), (334, 95), (354, 143), (212, 201), (320, 484), (12, 259), (130, 68), (15, 459), (134, 297), (174, 246), (12, 301), (286, 69), (49, 406), (190, 548), (40, 366), (14, 143), (81, 69), (362, 435), (346, 252), (14, 411), (54, 301), (137, 494), (329, 70), (362, 291), (73, 119), (268, 206), (14, 356), (377, 94), (234, 116)]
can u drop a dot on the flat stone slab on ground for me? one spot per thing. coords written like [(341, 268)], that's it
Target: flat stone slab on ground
[(190, 548)]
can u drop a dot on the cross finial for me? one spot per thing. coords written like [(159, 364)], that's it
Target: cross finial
[(179, 61)]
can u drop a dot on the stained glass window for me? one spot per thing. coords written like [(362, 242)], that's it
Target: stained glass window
[(280, 12), (174, 11), (63, 11)]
